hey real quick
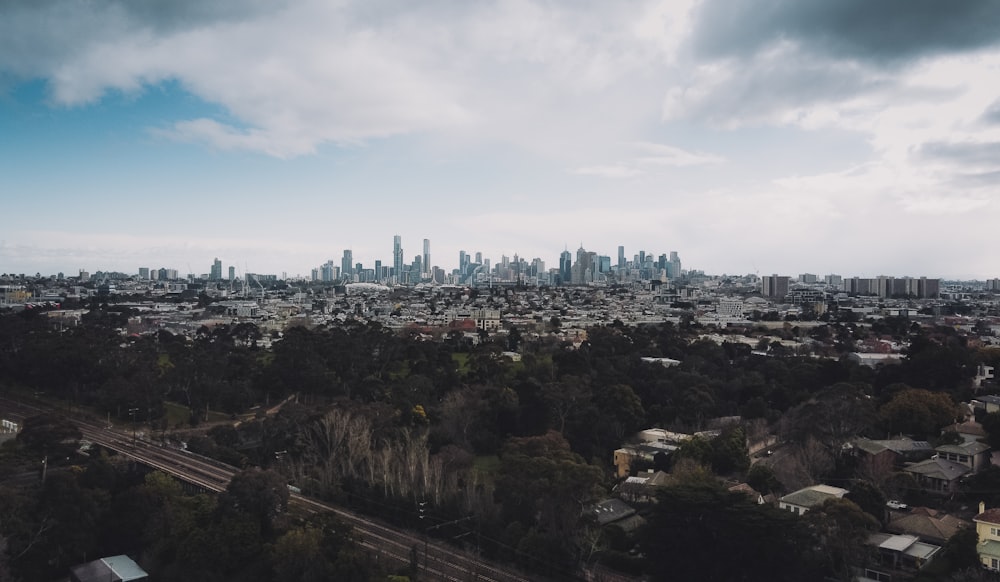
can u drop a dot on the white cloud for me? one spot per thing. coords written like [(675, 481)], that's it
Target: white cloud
[(663, 155), (615, 93), (309, 73), (608, 171)]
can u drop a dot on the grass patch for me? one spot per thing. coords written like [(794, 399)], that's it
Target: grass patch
[(177, 414), (214, 416), (461, 362), (486, 464)]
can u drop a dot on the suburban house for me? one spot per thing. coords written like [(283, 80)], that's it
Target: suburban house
[(988, 533), (930, 525), (616, 512), (942, 472), (989, 403), (970, 430), (112, 569), (647, 445), (749, 491), (973, 454), (899, 450), (803, 500), (899, 557), (642, 488), (938, 475)]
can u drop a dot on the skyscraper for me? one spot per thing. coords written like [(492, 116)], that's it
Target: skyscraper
[(347, 263), (565, 267), (397, 258), (621, 257), (427, 256), (216, 273)]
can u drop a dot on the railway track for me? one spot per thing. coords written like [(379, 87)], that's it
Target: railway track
[(436, 561)]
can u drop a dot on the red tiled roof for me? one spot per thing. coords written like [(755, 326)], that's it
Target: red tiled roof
[(989, 516)]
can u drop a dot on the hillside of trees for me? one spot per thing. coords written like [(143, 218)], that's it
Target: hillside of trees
[(383, 422)]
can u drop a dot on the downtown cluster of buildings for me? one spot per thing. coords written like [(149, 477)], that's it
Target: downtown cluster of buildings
[(473, 269), (778, 286)]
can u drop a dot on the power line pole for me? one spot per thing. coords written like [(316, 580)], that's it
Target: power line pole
[(423, 516), (132, 412)]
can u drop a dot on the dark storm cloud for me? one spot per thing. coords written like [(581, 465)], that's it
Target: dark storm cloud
[(37, 35), (880, 32), (965, 153), (762, 89)]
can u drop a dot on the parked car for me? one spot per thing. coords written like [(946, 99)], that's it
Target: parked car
[(896, 504)]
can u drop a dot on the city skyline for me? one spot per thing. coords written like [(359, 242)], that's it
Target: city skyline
[(563, 266), (788, 137)]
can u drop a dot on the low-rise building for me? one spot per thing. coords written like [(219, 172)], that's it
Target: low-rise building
[(988, 535), (899, 557), (937, 475), (801, 501)]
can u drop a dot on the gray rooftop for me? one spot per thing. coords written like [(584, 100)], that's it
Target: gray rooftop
[(938, 469), (812, 496)]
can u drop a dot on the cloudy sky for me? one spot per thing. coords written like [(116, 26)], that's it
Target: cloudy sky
[(788, 136)]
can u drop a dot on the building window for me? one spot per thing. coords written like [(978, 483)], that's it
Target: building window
[(994, 531), (994, 564), (876, 575)]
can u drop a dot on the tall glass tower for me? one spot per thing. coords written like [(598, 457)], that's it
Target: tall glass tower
[(397, 258)]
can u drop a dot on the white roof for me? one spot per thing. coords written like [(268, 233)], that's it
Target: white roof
[(898, 543)]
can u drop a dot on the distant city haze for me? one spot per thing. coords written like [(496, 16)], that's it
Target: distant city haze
[(800, 138)]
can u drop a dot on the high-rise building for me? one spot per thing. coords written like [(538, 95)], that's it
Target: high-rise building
[(479, 257), (427, 256), (621, 257), (774, 286), (565, 267), (144, 273), (675, 265), (463, 262), (928, 288), (216, 272), (328, 272), (583, 270), (397, 258), (347, 263), (416, 268)]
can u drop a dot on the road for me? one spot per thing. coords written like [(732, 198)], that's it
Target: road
[(442, 562)]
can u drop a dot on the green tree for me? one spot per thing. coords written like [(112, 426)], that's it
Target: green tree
[(991, 424), (729, 452), (542, 482), (762, 479), (869, 498), (689, 525), (843, 529), (917, 412), (50, 434), (261, 494)]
